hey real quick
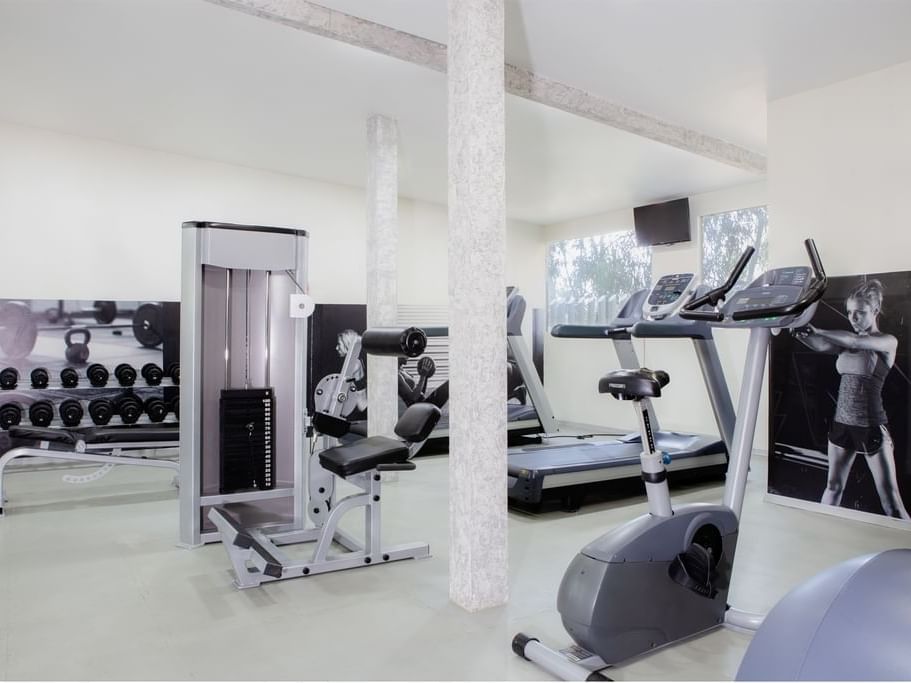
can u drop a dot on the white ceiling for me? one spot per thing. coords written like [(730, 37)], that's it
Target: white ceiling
[(190, 77)]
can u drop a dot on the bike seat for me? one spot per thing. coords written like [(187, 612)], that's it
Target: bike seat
[(633, 385)]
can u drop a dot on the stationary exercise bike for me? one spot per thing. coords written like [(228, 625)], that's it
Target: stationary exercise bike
[(664, 576)]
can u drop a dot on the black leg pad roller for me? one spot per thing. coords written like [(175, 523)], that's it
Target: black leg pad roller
[(394, 341)]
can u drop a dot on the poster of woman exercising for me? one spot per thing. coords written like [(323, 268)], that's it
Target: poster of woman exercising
[(334, 330), (839, 395)]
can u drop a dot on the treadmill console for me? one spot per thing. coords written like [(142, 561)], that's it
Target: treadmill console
[(668, 295), (773, 291)]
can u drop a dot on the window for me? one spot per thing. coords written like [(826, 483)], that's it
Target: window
[(726, 235), (589, 279)]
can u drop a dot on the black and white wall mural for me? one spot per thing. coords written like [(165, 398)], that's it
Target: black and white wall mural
[(839, 428)]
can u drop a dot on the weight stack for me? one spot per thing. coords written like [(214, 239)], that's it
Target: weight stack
[(247, 458)]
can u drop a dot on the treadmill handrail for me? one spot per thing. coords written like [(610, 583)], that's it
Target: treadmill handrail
[(812, 294), (568, 331), (714, 296)]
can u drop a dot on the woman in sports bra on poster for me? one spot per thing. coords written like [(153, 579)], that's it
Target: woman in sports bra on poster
[(865, 357)]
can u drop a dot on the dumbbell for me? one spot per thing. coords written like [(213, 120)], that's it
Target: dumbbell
[(101, 410), (69, 378), (41, 413), (174, 405), (426, 367), (125, 374), (174, 372), (9, 378), (152, 374), (129, 408), (70, 412), (40, 378), (155, 408), (10, 414), (98, 375)]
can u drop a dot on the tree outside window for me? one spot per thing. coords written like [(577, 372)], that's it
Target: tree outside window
[(726, 235), (589, 279)]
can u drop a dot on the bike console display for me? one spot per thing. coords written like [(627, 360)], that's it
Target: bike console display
[(668, 295)]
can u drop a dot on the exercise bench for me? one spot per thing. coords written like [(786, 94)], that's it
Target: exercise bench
[(124, 445)]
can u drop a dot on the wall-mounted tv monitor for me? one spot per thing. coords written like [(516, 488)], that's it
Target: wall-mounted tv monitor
[(663, 223)]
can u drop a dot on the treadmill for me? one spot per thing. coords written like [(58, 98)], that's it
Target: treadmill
[(535, 472), (527, 418)]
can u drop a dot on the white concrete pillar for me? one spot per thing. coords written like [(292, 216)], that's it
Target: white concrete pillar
[(477, 306), (382, 270)]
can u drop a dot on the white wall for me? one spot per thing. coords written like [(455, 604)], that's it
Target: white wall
[(85, 219), (840, 172), (573, 366)]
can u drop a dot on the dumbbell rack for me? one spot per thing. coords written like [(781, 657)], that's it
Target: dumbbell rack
[(237, 333), (64, 430)]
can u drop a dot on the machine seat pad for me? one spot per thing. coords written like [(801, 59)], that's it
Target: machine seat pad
[(629, 385), (417, 422), (49, 434), (363, 455), (131, 433)]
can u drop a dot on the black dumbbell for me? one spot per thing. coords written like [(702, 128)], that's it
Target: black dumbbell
[(426, 367), (174, 405), (129, 408), (77, 352), (101, 410), (174, 372), (9, 378), (152, 374), (125, 374), (70, 412), (69, 378), (10, 414), (97, 374), (155, 408), (40, 378), (41, 413)]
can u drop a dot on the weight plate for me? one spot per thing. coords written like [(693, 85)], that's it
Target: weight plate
[(147, 325), (18, 331), (105, 311)]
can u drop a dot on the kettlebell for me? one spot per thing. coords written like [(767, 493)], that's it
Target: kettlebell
[(77, 353)]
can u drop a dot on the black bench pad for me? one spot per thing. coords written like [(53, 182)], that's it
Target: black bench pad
[(363, 455), (44, 434), (125, 434), (131, 433)]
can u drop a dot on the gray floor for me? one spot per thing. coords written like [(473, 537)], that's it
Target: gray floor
[(92, 586)]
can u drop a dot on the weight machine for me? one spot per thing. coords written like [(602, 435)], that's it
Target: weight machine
[(251, 475)]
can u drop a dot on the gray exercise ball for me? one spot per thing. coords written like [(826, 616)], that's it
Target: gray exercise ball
[(850, 622)]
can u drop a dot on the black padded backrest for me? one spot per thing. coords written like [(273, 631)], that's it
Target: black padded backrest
[(417, 422), (331, 425)]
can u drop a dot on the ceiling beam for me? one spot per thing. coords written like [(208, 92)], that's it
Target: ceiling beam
[(312, 18)]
